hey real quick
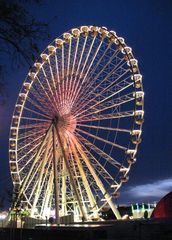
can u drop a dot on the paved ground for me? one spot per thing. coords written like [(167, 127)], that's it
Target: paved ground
[(111, 230)]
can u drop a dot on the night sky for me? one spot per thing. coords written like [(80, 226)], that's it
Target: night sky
[(146, 27)]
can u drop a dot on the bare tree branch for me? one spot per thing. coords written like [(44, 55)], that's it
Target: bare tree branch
[(20, 33)]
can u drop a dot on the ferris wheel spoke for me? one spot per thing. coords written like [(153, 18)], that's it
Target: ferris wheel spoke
[(104, 66), (109, 104), (77, 175), (99, 117), (102, 70), (119, 87), (39, 107), (41, 176), (28, 134), (104, 128), (48, 168), (100, 152), (110, 89), (69, 60), (80, 81), (41, 99), (73, 67), (98, 181), (37, 113), (28, 161), (81, 56), (58, 78), (70, 172), (30, 142), (37, 100), (24, 184), (63, 172), (27, 157), (85, 75), (102, 140), (53, 80), (97, 64), (97, 166), (79, 184), (34, 126), (62, 49), (48, 92), (35, 119), (53, 99), (68, 70), (27, 153), (92, 95), (82, 174), (91, 89), (47, 197), (31, 181), (63, 78), (75, 83), (87, 57), (27, 200)]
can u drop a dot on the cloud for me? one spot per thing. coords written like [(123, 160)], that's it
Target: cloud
[(150, 191)]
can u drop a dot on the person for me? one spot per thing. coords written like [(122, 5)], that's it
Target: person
[(146, 214)]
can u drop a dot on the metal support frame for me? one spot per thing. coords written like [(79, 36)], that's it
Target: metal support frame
[(32, 167), (70, 172), (38, 187), (56, 189), (99, 182), (84, 178)]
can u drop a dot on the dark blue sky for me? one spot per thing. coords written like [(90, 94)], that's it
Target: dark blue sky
[(146, 27)]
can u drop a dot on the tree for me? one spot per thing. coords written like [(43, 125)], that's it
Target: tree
[(2, 198), (19, 31), (2, 86), (19, 34)]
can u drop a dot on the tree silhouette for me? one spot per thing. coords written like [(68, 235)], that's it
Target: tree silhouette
[(2, 198), (19, 34), (19, 31)]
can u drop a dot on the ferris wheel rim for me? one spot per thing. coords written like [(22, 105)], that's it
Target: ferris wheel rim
[(47, 120)]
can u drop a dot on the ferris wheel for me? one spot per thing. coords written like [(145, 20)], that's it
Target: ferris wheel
[(77, 125)]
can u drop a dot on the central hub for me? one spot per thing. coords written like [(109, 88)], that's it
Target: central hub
[(66, 124)]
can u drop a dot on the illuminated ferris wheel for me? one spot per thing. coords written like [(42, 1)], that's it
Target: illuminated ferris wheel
[(77, 125)]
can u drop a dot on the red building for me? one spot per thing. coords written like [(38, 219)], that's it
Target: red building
[(164, 207)]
